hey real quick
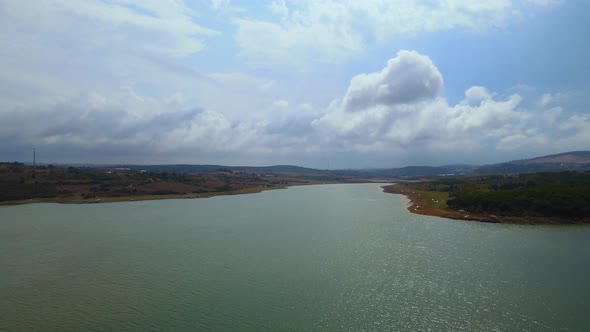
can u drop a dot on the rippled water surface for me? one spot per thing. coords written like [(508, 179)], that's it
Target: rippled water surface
[(334, 257)]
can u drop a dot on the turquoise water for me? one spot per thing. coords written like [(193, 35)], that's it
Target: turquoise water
[(333, 257)]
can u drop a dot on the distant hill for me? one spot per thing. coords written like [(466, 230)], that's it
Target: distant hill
[(568, 161), (280, 169), (184, 168), (574, 157)]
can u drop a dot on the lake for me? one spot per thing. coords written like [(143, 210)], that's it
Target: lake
[(330, 257)]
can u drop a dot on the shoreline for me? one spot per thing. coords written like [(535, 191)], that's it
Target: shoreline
[(419, 204), (139, 198), (22, 184)]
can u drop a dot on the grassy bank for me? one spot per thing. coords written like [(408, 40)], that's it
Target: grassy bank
[(434, 203)]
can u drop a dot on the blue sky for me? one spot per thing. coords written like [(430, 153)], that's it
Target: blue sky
[(328, 84)]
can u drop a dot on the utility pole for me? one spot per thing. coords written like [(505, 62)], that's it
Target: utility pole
[(34, 158)]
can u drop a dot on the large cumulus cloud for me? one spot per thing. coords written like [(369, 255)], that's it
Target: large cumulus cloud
[(409, 77), (399, 108)]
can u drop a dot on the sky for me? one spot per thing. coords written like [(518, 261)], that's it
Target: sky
[(316, 83)]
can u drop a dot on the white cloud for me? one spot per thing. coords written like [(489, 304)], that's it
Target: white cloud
[(224, 6), (476, 94), (545, 99), (332, 31), (545, 3), (521, 142), (428, 123), (280, 105), (58, 49), (219, 4), (407, 78), (264, 43), (124, 119), (279, 7), (164, 27)]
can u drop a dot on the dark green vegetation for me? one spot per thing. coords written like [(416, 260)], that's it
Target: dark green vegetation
[(537, 198), (564, 194), (19, 182)]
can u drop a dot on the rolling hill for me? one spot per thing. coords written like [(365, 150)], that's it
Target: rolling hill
[(567, 161)]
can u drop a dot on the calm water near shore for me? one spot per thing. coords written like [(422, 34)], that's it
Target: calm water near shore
[(332, 257)]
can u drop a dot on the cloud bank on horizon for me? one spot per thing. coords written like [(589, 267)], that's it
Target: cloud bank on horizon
[(328, 84)]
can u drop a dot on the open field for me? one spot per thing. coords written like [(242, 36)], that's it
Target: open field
[(425, 202)]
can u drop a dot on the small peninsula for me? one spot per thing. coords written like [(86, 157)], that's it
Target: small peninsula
[(536, 198)]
